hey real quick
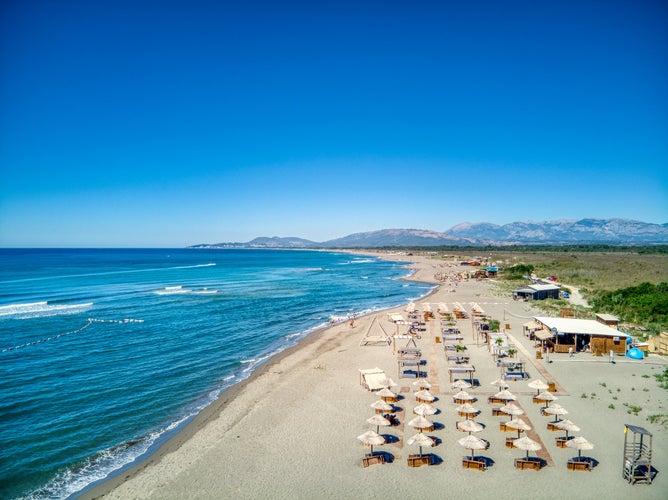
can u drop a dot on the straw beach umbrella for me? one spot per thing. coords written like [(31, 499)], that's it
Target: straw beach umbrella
[(371, 438), (580, 443), (378, 420), (462, 397), (539, 385), (547, 397), (528, 444), (422, 383), (469, 426), (421, 423), (382, 406), (424, 396), (512, 409), (461, 384), (421, 440), (568, 426), (518, 424), (424, 409), (387, 395), (505, 395), (557, 411), (501, 384), (472, 443), (467, 410)]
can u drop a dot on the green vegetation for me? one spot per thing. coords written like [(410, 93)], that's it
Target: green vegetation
[(494, 325), (518, 272), (611, 406), (646, 303), (633, 409), (661, 420), (629, 282), (662, 378)]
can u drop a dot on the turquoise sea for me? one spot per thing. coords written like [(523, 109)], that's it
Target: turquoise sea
[(106, 353)]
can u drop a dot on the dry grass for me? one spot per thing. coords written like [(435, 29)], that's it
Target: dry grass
[(592, 270)]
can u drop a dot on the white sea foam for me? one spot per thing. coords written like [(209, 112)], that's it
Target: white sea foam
[(179, 290), (100, 466), (361, 261), (41, 309)]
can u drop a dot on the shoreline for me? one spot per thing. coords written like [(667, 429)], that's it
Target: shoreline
[(289, 429), (102, 487)]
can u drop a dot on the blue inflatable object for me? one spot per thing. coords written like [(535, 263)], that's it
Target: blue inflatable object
[(634, 353), (629, 340)]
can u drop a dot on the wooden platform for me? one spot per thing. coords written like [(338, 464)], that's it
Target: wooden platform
[(523, 463), (561, 441), (469, 463), (372, 460), (579, 465), (419, 460)]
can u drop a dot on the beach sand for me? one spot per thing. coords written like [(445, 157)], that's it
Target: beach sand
[(290, 430)]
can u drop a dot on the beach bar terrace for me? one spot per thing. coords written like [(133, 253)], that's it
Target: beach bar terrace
[(570, 333)]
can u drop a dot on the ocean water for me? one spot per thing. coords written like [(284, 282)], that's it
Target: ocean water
[(105, 353)]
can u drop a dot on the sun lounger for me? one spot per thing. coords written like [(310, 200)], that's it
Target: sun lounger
[(498, 401), (471, 463), (574, 464), (419, 460), (551, 426), (531, 463), (452, 338), (510, 442)]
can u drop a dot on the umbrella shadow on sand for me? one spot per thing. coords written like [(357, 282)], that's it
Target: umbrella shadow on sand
[(487, 460), (592, 461), (435, 459), (388, 457), (390, 438)]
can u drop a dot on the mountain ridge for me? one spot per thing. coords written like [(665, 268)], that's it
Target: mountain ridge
[(612, 231)]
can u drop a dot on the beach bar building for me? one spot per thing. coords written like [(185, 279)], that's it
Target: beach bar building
[(571, 333), (536, 292)]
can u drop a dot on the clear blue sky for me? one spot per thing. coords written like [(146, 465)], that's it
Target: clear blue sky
[(170, 123)]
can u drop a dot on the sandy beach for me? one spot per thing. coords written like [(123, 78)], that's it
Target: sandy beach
[(290, 430)]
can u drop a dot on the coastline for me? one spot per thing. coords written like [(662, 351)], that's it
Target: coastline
[(103, 487), (289, 429)]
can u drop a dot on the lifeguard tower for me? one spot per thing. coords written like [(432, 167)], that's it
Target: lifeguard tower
[(637, 454)]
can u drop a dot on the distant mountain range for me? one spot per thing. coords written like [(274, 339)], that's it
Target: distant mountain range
[(558, 232)]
